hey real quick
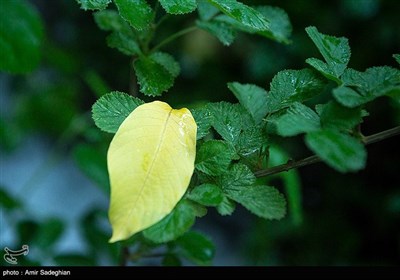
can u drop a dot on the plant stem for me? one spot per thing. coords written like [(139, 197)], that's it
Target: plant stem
[(133, 88), (162, 19), (124, 256), (287, 166), (314, 159), (381, 135), (173, 37)]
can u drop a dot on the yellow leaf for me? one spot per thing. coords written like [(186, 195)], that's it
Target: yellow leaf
[(150, 163)]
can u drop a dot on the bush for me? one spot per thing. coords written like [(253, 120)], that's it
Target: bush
[(267, 90)]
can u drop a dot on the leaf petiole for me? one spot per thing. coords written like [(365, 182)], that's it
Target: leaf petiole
[(173, 37)]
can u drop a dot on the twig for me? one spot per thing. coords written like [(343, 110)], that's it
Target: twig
[(287, 166), (124, 256), (173, 37), (314, 159), (381, 135), (133, 88)]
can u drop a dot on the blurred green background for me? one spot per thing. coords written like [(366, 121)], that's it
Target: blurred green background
[(53, 177)]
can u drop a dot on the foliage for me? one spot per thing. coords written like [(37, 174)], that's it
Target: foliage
[(21, 36), (219, 162), (324, 104)]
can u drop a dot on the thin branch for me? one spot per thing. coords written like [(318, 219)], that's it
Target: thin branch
[(161, 20), (133, 87), (314, 159), (381, 135), (291, 164), (124, 256), (173, 37)]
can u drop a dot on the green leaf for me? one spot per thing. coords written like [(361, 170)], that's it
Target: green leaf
[(137, 12), (336, 116), (362, 87), (7, 201), (239, 176), (224, 32), (397, 58), (179, 6), (206, 10), (297, 119), (93, 163), (94, 233), (168, 61), (111, 110), (206, 194), (48, 233), (27, 231), (214, 157), (242, 13), (21, 35), (263, 201), (122, 36), (156, 73), (109, 20), (173, 225), (292, 183), (199, 210), (123, 43), (93, 4), (226, 207), (250, 141), (203, 119), (375, 80), (290, 86), (229, 119), (336, 52), (152, 77), (280, 27), (196, 247), (96, 83), (338, 150), (10, 133), (348, 97), (252, 98)]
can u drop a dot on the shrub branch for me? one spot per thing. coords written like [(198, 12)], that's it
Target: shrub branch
[(291, 164)]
